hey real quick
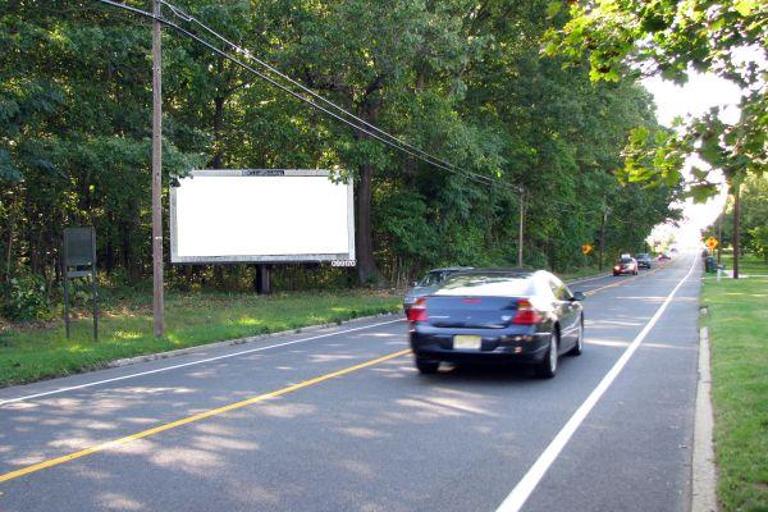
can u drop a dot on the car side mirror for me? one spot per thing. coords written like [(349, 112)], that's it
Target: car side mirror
[(578, 296), (415, 284)]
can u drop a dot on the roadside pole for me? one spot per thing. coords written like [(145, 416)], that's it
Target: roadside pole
[(520, 230), (601, 260), (157, 183), (735, 238)]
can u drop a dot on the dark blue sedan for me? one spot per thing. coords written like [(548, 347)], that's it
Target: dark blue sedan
[(511, 316)]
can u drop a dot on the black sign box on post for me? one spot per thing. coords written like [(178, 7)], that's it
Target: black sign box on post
[(80, 261)]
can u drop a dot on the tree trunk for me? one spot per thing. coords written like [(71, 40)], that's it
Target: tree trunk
[(218, 121), (736, 226), (366, 265), (127, 252), (9, 252), (367, 271)]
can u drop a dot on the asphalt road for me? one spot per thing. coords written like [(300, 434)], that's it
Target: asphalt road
[(338, 419)]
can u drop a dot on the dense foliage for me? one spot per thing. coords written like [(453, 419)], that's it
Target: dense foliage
[(462, 80), (754, 218), (729, 38)]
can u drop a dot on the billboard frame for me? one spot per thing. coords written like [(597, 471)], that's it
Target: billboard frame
[(348, 256)]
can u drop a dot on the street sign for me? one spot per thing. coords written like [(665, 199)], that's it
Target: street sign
[(711, 243), (79, 260), (586, 249)]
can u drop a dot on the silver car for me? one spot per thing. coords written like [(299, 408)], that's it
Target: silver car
[(429, 283)]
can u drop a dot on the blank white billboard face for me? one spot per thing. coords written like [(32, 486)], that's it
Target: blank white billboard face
[(230, 216)]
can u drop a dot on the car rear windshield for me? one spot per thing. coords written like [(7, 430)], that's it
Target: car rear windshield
[(626, 260), (643, 256), (432, 278), (488, 285)]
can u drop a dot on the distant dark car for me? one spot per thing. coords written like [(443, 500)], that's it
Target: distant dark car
[(512, 316), (644, 260), (428, 284), (625, 265), (664, 256)]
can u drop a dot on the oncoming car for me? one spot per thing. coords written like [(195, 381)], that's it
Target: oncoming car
[(513, 316), (429, 283), (644, 260)]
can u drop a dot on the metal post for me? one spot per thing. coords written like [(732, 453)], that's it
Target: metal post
[(94, 288), (65, 278), (157, 165), (520, 229)]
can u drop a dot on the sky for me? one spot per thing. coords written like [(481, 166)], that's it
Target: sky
[(702, 92)]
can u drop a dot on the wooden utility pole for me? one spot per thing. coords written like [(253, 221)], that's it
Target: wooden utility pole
[(602, 236), (157, 176), (520, 229), (735, 239)]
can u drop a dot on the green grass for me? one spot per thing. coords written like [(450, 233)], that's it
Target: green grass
[(748, 264), (737, 329), (125, 328)]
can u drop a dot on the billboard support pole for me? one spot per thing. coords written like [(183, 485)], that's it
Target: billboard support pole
[(263, 284), (157, 166)]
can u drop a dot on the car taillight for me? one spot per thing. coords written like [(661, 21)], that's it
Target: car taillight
[(617, 267), (418, 312), (526, 313)]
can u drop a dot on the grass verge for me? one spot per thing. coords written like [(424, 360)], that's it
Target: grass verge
[(740, 386), (32, 353), (748, 264)]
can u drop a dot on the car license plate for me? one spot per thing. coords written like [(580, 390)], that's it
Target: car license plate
[(466, 342)]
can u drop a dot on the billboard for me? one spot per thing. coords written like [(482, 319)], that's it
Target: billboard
[(263, 216)]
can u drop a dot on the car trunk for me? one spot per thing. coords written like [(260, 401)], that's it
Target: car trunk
[(471, 312)]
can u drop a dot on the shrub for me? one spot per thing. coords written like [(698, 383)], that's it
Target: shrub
[(26, 298)]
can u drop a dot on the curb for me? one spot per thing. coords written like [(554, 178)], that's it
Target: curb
[(704, 474), (236, 341)]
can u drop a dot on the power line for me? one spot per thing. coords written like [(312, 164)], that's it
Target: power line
[(178, 12), (396, 145)]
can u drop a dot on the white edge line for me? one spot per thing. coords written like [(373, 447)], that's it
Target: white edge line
[(522, 491), (191, 363), (207, 360)]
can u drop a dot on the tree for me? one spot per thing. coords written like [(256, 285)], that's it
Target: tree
[(462, 80), (670, 38)]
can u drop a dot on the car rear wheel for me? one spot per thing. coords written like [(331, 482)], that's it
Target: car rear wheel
[(547, 368), (426, 366)]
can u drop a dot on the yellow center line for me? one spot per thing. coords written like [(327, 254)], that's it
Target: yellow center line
[(226, 408), (195, 418)]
